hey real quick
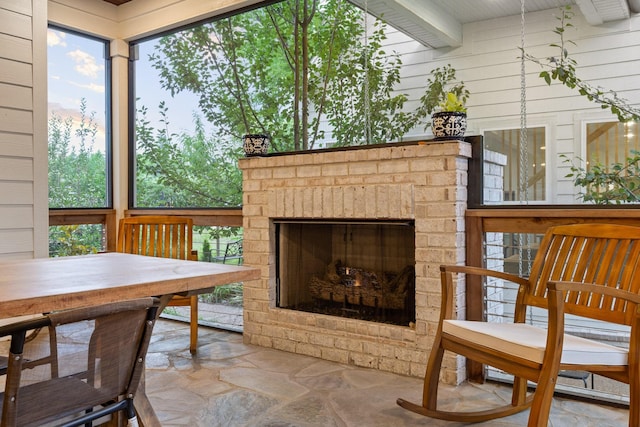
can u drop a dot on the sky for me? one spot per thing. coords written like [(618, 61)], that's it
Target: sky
[(181, 106), (76, 70)]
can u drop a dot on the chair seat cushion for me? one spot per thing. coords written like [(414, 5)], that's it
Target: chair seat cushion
[(529, 342)]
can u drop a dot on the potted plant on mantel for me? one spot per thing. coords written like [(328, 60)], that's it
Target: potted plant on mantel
[(445, 101), (451, 121), (255, 144)]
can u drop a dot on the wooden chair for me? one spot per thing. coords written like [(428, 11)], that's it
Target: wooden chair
[(167, 237), (101, 356), (587, 270)]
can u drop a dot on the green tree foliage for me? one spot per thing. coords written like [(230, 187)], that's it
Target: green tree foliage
[(77, 179), (613, 184), (185, 169), (280, 69), (77, 171), (67, 240), (299, 71)]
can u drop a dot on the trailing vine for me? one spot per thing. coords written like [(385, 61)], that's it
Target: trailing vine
[(562, 68), (616, 183)]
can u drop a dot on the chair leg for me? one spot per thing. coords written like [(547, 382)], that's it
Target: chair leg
[(53, 351), (432, 377), (634, 395), (543, 397), (431, 380), (193, 339), (519, 394)]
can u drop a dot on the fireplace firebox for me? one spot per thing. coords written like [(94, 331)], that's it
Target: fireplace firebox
[(354, 269)]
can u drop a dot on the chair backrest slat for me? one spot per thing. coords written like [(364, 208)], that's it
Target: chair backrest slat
[(602, 254), (156, 235)]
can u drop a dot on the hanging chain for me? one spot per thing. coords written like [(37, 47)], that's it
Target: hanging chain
[(367, 94), (524, 150)]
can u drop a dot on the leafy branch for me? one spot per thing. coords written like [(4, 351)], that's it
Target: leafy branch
[(562, 68), (617, 183), (441, 82)]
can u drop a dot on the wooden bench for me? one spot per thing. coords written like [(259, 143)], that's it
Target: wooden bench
[(587, 270)]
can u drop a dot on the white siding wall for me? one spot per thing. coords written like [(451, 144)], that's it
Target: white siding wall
[(23, 138), (489, 64)]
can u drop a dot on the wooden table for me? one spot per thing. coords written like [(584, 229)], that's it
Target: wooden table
[(42, 285)]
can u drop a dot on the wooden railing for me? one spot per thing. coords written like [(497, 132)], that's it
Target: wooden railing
[(224, 217), (520, 219), (231, 217)]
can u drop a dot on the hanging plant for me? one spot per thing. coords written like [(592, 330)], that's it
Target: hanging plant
[(562, 68)]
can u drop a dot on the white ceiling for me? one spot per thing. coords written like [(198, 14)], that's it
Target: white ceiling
[(438, 23)]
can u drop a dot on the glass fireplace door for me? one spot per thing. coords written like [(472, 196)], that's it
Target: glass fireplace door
[(363, 270)]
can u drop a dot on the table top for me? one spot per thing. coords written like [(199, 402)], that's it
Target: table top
[(45, 284)]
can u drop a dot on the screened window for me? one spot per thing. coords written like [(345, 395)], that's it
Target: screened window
[(278, 70), (612, 142), (79, 135), (531, 156)]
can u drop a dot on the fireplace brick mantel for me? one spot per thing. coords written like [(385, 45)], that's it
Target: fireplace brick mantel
[(425, 183)]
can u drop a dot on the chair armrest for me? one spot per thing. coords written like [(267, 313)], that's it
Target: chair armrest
[(18, 331), (479, 271), (24, 325), (446, 279), (557, 293), (596, 289)]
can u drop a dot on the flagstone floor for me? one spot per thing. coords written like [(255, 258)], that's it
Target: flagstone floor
[(229, 383)]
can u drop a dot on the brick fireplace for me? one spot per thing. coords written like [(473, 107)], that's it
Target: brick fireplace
[(420, 183)]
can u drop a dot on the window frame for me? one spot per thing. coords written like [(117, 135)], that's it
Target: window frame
[(550, 156), (108, 125), (131, 103)]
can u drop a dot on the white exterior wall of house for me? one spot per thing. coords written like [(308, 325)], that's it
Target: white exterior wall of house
[(23, 129), (488, 62)]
